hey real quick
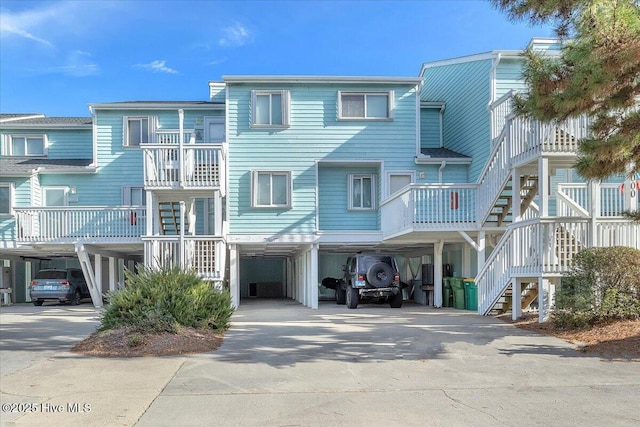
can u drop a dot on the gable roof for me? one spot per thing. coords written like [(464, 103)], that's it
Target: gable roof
[(18, 116)]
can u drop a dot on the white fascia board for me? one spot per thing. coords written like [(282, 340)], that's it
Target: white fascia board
[(426, 160), (346, 237), (322, 79), (470, 58), (87, 170), (433, 104), (156, 106)]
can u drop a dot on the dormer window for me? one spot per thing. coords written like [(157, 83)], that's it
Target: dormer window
[(25, 145)]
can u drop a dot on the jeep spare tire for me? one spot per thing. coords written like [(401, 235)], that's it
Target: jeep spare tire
[(380, 275)]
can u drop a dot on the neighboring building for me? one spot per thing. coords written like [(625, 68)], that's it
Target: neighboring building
[(268, 186)]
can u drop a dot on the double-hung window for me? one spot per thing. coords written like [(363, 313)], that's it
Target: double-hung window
[(269, 108), (271, 189), (25, 145), (362, 192), (6, 198), (365, 105), (136, 131)]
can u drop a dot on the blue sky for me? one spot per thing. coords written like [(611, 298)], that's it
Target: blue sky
[(58, 56)]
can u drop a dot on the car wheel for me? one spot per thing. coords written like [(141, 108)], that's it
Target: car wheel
[(76, 298), (341, 295), (38, 303), (353, 297), (396, 300)]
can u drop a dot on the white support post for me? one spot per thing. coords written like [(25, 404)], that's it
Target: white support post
[(181, 160), (98, 263), (544, 299), (543, 186), (594, 211), (482, 250), (516, 299), (234, 276), (181, 249), (437, 273), (313, 277), (149, 212), (516, 200), (113, 274)]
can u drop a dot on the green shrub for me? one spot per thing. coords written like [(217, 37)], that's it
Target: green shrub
[(159, 300), (604, 284)]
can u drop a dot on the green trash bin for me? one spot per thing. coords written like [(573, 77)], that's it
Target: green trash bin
[(470, 294), (447, 292), (457, 286)]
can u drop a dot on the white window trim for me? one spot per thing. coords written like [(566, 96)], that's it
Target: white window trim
[(11, 188), (286, 100), (374, 192), (254, 189), (390, 106), (8, 144), (125, 129)]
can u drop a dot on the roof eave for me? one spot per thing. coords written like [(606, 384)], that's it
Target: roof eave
[(426, 160), (323, 79)]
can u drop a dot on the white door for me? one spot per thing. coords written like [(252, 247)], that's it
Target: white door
[(214, 130)]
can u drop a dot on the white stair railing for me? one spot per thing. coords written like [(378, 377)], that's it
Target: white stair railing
[(494, 277)]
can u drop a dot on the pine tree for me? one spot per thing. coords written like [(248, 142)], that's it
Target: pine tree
[(597, 73)]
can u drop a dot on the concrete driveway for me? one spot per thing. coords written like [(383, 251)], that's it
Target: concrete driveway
[(283, 364)]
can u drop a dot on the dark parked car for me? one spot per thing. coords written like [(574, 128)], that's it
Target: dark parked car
[(66, 285), (370, 276)]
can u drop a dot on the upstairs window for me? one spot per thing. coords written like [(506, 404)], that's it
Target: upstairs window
[(362, 192), (25, 145), (136, 131), (271, 189), (269, 108), (6, 199), (365, 106)]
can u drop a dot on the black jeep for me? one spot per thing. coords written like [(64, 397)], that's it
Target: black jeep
[(370, 276)]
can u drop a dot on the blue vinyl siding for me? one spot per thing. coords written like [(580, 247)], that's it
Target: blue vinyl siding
[(465, 87), (21, 198), (509, 77), (70, 144), (314, 134), (429, 128), (451, 174), (333, 184)]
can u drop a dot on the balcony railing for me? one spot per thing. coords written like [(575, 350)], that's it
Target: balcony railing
[(573, 199), (205, 254), (85, 222), (423, 207), (186, 166)]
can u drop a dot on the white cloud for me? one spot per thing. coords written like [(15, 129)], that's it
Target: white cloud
[(217, 61), (158, 66), (235, 35), (24, 24)]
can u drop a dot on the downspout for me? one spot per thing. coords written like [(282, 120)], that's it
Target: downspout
[(441, 125), (494, 69), (442, 165)]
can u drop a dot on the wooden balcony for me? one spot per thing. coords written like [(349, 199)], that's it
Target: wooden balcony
[(173, 163), (429, 207), (49, 224)]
